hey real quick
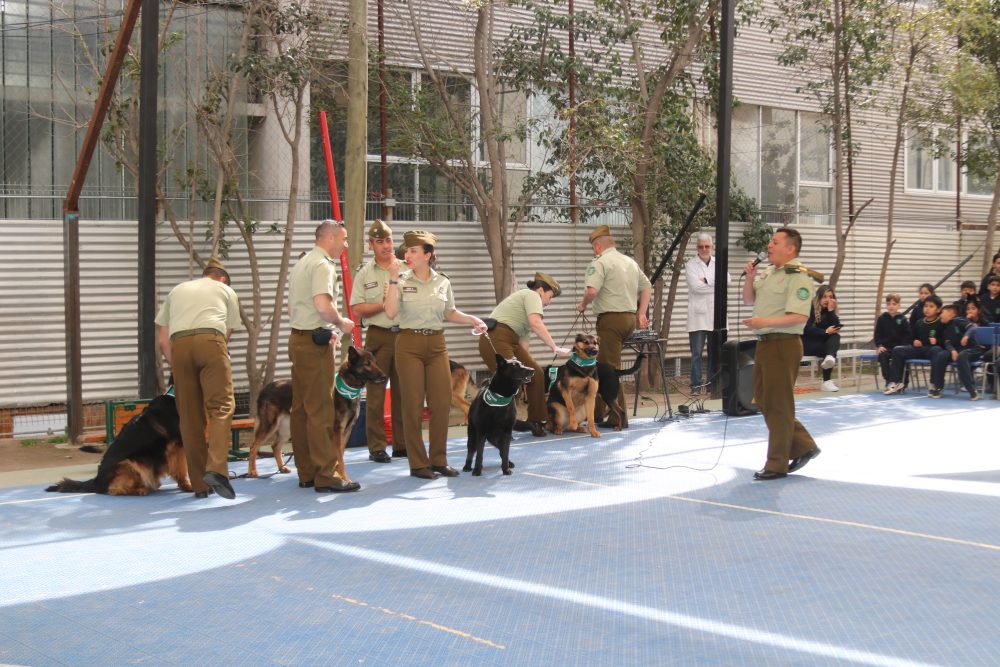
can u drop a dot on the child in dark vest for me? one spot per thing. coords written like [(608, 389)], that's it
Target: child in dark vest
[(990, 303), (959, 346), (925, 345), (891, 329)]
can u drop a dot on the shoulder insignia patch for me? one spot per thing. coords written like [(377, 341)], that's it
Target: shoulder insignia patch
[(590, 270), (802, 293)]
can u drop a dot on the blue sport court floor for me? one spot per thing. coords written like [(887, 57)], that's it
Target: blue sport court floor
[(646, 547)]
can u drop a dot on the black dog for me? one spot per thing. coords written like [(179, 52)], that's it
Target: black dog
[(608, 385), (493, 412), (147, 448)]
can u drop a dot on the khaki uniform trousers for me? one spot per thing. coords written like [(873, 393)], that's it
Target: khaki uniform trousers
[(312, 409), (776, 365), (382, 343), (424, 373), (508, 345), (613, 329), (203, 389)]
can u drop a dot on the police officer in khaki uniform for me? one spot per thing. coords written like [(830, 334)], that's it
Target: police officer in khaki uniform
[(781, 296), (370, 285), (196, 320), (613, 283), (312, 309), (517, 316), (422, 299)]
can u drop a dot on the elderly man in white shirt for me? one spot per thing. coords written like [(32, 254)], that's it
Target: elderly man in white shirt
[(700, 273)]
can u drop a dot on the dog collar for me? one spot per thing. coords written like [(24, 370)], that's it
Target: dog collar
[(347, 391), (579, 361), (496, 400)]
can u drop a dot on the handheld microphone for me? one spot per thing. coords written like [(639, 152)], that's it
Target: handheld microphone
[(761, 256)]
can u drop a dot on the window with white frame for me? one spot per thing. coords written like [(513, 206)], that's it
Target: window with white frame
[(783, 158), (932, 163), (421, 192)]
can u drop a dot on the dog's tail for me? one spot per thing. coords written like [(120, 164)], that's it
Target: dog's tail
[(635, 366), (521, 426), (68, 485)]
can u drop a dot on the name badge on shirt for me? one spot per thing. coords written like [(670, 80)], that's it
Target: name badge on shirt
[(410, 290), (371, 285)]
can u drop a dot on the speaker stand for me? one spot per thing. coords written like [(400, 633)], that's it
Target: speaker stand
[(650, 346)]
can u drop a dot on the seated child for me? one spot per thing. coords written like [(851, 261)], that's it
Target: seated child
[(891, 329), (990, 304), (821, 337), (925, 344), (974, 312), (959, 345), (968, 290)]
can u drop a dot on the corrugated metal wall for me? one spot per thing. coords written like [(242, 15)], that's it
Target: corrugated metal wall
[(32, 353)]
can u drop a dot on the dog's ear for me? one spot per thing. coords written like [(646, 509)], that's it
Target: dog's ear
[(501, 361), (579, 338), (352, 353)]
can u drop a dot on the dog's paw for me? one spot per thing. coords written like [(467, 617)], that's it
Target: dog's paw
[(579, 429), (252, 473), (594, 434), (477, 472), (510, 464), (508, 471), (284, 469), (467, 467)]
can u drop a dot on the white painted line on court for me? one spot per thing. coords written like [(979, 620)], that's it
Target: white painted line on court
[(730, 630)]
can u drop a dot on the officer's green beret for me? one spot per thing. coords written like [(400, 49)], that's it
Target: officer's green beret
[(550, 281), (379, 230), (603, 230), (419, 237), (215, 263)]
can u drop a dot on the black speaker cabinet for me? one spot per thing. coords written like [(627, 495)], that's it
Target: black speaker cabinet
[(737, 377)]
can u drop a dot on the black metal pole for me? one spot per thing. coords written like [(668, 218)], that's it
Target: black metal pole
[(148, 82), (74, 354), (727, 36)]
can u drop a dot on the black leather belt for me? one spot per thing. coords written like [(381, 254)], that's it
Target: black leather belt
[(195, 332), (424, 332), (776, 336), (302, 332)]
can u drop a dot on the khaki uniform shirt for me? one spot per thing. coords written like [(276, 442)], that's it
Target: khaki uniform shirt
[(515, 309), (314, 274), (423, 305), (370, 284), (777, 292), (618, 281), (202, 303)]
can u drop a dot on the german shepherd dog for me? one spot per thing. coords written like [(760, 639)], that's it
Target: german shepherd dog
[(493, 413), (573, 394), (274, 406), (459, 384), (146, 449)]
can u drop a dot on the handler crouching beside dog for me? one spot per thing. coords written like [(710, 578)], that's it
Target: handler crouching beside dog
[(312, 308), (422, 299), (613, 283), (196, 320), (517, 316), (370, 285)]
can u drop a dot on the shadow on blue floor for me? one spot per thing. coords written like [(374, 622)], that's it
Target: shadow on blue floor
[(648, 547)]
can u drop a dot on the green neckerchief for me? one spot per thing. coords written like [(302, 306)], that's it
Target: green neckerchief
[(170, 391), (582, 362), (348, 392), (496, 400)]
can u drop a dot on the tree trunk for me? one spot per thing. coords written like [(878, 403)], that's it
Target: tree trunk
[(837, 122), (991, 225)]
